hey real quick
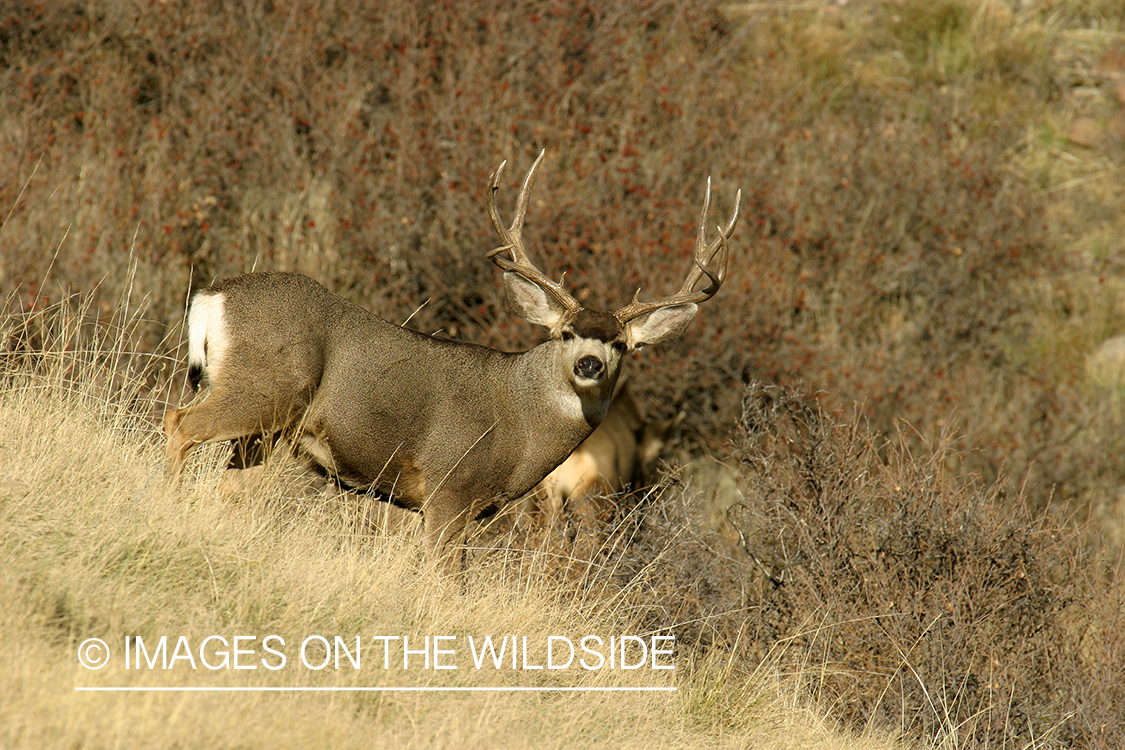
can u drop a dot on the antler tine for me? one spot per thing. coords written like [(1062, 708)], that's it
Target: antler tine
[(525, 196), (702, 256), (698, 268), (701, 236), (716, 253), (513, 238), (490, 199)]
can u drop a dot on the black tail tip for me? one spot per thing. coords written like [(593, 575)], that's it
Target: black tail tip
[(195, 376)]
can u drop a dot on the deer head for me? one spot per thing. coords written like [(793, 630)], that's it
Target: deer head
[(593, 342)]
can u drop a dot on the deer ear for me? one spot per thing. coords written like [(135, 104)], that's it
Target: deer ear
[(659, 325), (531, 303)]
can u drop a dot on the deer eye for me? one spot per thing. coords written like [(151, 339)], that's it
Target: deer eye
[(619, 347), (567, 335)]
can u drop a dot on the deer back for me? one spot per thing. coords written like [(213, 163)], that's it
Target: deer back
[(385, 407)]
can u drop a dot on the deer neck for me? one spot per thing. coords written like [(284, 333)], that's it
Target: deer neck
[(555, 403)]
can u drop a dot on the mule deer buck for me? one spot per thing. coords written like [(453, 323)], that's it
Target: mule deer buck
[(451, 429), (615, 456)]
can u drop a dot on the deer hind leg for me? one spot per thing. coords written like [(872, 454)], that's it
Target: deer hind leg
[(247, 466), (181, 439), (221, 416)]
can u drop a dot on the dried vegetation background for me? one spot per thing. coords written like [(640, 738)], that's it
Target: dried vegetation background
[(929, 252)]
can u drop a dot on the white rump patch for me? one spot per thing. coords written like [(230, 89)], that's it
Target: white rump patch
[(208, 338)]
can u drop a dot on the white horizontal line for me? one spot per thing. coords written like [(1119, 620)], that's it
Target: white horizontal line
[(374, 689)]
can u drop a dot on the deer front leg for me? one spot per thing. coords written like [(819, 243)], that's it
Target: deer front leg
[(445, 530)]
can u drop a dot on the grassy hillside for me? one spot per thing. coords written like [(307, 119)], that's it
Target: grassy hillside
[(852, 581), (898, 506), (95, 543)]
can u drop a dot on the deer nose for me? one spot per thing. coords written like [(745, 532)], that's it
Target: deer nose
[(589, 367)]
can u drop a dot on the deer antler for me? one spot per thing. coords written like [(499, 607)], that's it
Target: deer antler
[(705, 254), (513, 239)]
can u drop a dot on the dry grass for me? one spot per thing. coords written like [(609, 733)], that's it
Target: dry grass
[(927, 237), (95, 543)]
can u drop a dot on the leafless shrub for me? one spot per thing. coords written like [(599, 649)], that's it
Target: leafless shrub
[(889, 257), (906, 593)]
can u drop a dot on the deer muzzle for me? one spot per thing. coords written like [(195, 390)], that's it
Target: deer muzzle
[(589, 367)]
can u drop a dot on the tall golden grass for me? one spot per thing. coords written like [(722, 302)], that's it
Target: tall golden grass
[(924, 238), (95, 543)]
